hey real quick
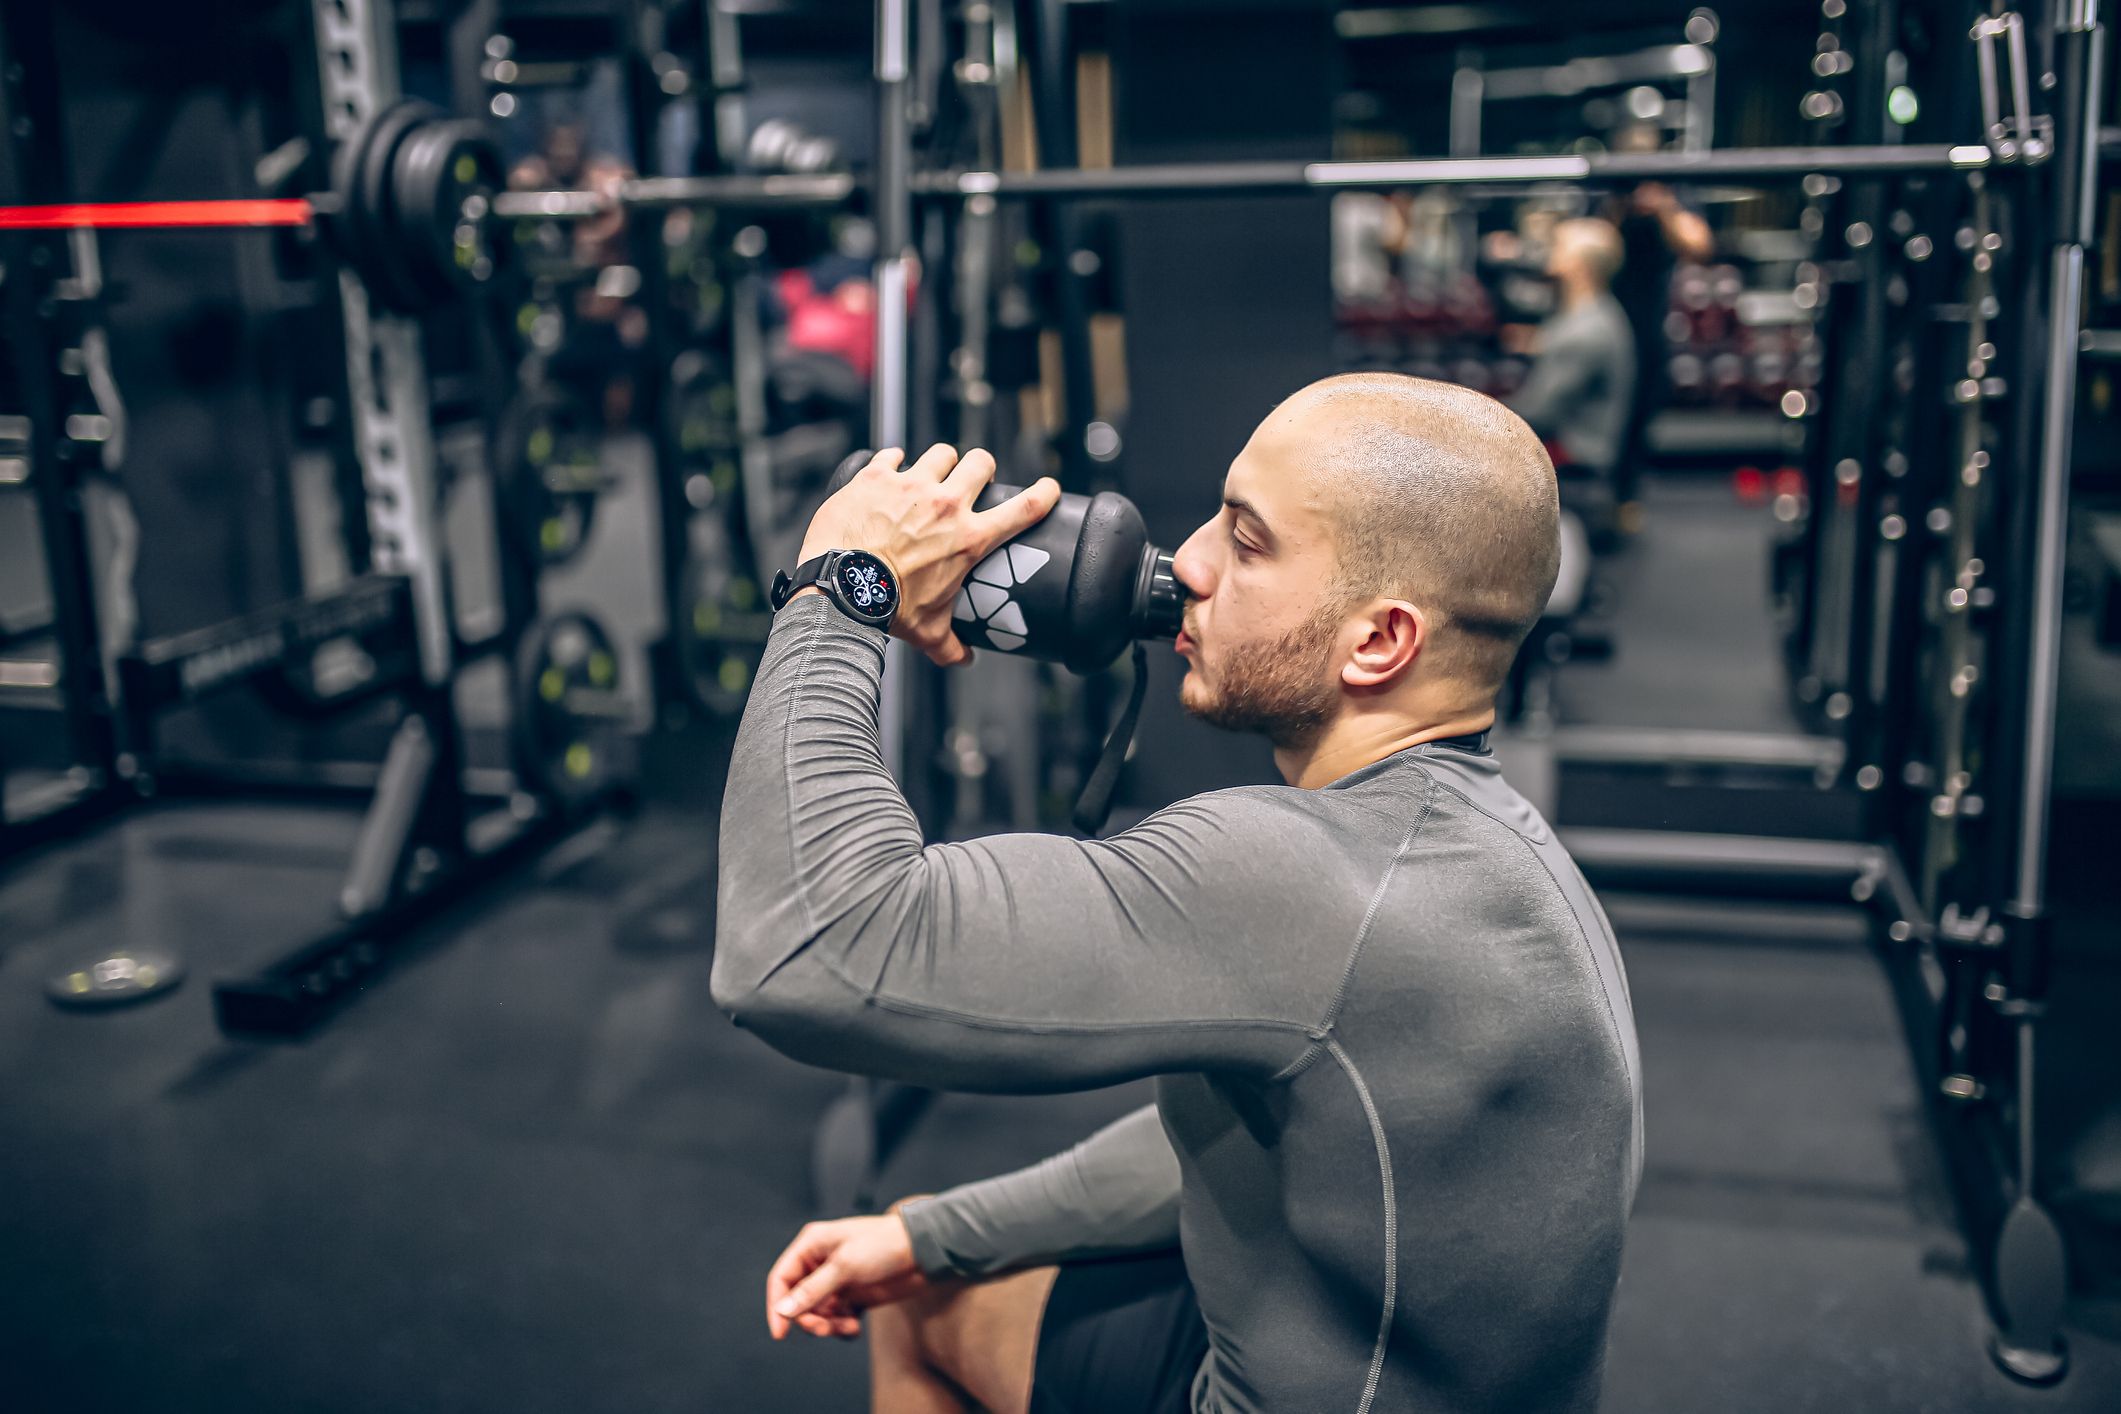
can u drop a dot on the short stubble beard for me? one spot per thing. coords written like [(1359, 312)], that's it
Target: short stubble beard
[(1278, 689)]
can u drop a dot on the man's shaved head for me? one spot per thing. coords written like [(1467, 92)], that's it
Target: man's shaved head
[(1439, 496), (1590, 245)]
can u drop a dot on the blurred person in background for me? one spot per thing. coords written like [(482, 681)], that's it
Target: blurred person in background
[(1580, 393), (1659, 231), (572, 140), (1370, 231)]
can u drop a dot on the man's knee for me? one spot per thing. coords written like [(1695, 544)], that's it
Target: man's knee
[(980, 1334)]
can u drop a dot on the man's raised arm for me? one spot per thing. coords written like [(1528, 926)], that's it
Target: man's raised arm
[(1017, 962)]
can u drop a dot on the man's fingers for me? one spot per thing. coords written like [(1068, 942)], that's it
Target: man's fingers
[(972, 473), (834, 1327), (889, 459), (1020, 512), (935, 463), (949, 653), (811, 1246), (811, 1289)]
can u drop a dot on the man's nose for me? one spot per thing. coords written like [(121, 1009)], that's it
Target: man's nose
[(1190, 564)]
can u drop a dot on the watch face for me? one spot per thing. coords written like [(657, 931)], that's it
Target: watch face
[(866, 585)]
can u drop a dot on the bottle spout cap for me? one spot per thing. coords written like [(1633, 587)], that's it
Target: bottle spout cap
[(1159, 599)]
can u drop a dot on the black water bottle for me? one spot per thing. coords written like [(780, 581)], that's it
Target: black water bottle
[(1075, 589)]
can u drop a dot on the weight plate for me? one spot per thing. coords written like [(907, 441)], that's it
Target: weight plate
[(418, 174), (550, 448), (345, 184), (118, 979), (445, 179), (571, 712), (377, 230)]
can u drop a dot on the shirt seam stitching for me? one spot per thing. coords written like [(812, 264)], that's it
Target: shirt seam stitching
[(887, 1001), (1390, 1299), (1362, 937), (994, 1023)]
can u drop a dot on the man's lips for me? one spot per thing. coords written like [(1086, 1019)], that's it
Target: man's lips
[(1184, 642)]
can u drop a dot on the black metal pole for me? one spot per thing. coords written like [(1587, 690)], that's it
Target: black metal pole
[(1053, 101), (1872, 540), (646, 102), (893, 213), (32, 169), (2029, 1270)]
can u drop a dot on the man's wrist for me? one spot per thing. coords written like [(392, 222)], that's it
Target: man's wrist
[(824, 584), (928, 1255)]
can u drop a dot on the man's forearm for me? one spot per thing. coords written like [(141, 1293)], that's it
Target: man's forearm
[(1115, 1192)]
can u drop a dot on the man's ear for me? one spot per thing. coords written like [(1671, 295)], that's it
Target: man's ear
[(1393, 635)]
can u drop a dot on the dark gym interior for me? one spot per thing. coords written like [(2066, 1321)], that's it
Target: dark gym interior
[(405, 409)]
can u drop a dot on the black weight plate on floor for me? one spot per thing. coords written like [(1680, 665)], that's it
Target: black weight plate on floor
[(378, 228), (570, 708), (118, 979)]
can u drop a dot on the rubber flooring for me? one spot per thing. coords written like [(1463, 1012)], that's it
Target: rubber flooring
[(1693, 645)]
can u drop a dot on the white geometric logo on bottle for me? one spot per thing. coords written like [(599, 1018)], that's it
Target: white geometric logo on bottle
[(985, 600)]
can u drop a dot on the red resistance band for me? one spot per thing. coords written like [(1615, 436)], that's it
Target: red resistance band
[(112, 215)]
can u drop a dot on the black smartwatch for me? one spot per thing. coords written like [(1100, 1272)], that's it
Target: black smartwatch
[(860, 584)]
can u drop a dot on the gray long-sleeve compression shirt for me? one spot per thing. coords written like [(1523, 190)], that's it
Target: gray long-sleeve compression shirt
[(1397, 1082)]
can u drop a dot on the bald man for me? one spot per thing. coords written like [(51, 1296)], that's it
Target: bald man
[(1398, 1121), (1580, 393)]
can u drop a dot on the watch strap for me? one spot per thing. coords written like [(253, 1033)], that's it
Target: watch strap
[(807, 573)]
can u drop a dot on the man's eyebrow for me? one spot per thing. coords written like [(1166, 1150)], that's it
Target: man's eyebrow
[(1246, 508)]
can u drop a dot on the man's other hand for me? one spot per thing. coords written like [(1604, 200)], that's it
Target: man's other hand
[(920, 522), (834, 1271)]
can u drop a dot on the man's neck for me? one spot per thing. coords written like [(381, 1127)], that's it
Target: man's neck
[(1575, 294), (1357, 740)]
